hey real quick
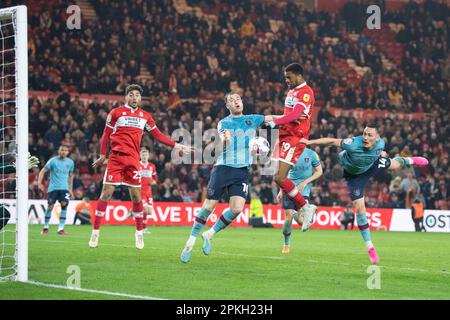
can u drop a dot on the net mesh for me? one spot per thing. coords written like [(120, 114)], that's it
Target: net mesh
[(8, 144)]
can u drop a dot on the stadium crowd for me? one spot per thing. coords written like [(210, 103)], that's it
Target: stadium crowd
[(193, 61)]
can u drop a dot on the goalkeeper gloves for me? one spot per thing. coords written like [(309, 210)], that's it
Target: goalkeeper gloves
[(32, 162)]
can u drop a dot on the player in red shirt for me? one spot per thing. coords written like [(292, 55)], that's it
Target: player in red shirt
[(294, 125), (124, 128), (148, 178)]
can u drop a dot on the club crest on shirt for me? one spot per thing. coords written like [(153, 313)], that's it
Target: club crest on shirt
[(306, 97), (348, 141), (248, 122), (306, 160)]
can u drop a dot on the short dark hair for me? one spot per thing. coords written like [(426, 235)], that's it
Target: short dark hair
[(145, 149), (372, 126), (132, 87), (294, 68), (64, 146)]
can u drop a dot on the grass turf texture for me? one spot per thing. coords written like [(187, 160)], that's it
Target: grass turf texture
[(244, 264)]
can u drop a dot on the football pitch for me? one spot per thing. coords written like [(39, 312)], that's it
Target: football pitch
[(244, 264)]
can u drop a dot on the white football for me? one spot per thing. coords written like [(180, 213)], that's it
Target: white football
[(259, 147)]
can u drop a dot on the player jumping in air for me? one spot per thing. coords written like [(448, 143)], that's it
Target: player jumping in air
[(124, 128), (61, 170), (303, 173), (295, 124), (148, 178), (362, 158), (230, 173)]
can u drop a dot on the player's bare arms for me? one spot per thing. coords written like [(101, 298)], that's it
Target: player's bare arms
[(102, 160), (322, 142)]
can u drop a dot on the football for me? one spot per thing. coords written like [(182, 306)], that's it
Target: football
[(259, 147)]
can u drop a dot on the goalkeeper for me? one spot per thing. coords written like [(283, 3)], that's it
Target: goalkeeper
[(7, 168)]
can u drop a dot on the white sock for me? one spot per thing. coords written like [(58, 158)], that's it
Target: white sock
[(369, 244), (191, 241), (97, 232), (210, 233), (139, 231)]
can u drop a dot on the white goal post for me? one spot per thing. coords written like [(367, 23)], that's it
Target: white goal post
[(14, 65)]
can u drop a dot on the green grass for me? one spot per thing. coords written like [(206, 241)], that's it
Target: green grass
[(244, 264)]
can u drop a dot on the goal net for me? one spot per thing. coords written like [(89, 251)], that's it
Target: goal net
[(13, 144)]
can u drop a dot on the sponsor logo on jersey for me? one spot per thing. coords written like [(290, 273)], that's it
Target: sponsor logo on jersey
[(290, 101), (348, 141)]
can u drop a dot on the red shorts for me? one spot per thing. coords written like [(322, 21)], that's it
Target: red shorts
[(288, 149), (122, 169), (147, 200)]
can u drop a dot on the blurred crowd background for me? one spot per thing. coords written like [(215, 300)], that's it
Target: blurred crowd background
[(187, 54)]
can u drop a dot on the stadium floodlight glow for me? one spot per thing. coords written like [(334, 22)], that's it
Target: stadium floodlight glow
[(14, 146)]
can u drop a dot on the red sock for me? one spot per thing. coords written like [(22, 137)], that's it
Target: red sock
[(289, 189), (138, 215), (99, 213)]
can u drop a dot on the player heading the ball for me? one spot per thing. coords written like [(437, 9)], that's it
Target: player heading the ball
[(294, 125)]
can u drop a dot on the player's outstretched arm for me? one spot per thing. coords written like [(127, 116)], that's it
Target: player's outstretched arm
[(160, 137), (322, 142)]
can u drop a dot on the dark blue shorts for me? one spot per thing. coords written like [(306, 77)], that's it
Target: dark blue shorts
[(357, 183), (234, 181), (58, 195), (287, 203)]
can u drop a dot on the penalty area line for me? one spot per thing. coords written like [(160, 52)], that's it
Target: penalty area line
[(109, 293)]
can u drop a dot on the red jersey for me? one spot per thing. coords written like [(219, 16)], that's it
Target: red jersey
[(148, 175), (301, 95), (128, 127)]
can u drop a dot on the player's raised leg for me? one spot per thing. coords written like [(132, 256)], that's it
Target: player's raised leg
[(290, 190), (199, 221), (236, 206), (100, 209), (398, 163)]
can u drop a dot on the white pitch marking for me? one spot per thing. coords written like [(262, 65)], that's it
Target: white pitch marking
[(110, 293)]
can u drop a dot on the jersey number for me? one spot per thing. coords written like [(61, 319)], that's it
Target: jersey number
[(136, 175), (245, 189), (382, 163), (286, 146)]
